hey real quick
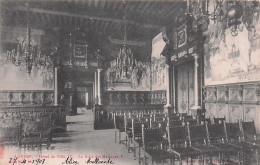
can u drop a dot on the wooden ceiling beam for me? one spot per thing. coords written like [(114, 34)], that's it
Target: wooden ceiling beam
[(102, 4), (170, 8), (147, 4), (67, 14), (116, 4)]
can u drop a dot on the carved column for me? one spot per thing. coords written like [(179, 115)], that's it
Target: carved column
[(32, 97), (168, 105), (95, 88), (56, 86), (196, 83), (94, 91), (173, 88), (111, 99), (21, 97), (127, 98), (99, 86)]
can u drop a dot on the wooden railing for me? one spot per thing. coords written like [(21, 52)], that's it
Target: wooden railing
[(26, 97)]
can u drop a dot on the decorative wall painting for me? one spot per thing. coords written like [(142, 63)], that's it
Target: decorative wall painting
[(16, 78), (127, 74), (158, 64), (232, 59)]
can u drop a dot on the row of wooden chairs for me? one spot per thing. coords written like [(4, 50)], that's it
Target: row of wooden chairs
[(185, 136)]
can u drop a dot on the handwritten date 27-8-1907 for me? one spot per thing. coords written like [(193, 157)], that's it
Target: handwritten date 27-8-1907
[(14, 161)]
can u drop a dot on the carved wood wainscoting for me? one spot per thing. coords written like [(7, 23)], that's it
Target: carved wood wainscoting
[(57, 114), (127, 98), (26, 97), (235, 102), (36, 124), (158, 97)]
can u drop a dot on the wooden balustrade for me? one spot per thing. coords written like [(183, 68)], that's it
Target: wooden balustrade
[(26, 97)]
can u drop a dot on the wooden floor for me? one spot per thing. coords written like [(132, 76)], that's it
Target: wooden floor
[(79, 140)]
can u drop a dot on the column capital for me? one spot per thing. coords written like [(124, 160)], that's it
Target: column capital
[(99, 69), (57, 67), (167, 66)]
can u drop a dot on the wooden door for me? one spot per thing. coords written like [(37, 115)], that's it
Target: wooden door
[(185, 87)]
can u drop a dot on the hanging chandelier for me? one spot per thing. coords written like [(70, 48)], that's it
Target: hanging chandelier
[(27, 54), (125, 60), (230, 12)]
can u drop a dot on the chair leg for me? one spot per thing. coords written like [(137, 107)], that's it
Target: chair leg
[(180, 160), (119, 137), (257, 161), (115, 136), (126, 140), (134, 150)]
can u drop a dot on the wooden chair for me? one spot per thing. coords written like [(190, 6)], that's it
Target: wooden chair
[(46, 130), (154, 145), (186, 117), (249, 144), (190, 121), (119, 123), (219, 120), (173, 123), (137, 134), (198, 140), (31, 133), (204, 120), (217, 137), (10, 135), (174, 118), (178, 143), (233, 137), (183, 114)]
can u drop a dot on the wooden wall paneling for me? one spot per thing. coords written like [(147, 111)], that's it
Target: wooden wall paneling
[(249, 93), (249, 112), (235, 94), (210, 110), (221, 94), (235, 112), (211, 94), (252, 112)]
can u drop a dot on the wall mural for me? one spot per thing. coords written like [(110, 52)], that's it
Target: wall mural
[(232, 59), (16, 78), (127, 74), (158, 64)]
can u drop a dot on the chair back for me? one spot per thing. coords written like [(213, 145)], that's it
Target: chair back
[(151, 136), (177, 135), (10, 135), (219, 120), (248, 130), (119, 122), (137, 128), (197, 134), (173, 123), (233, 131), (216, 132)]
